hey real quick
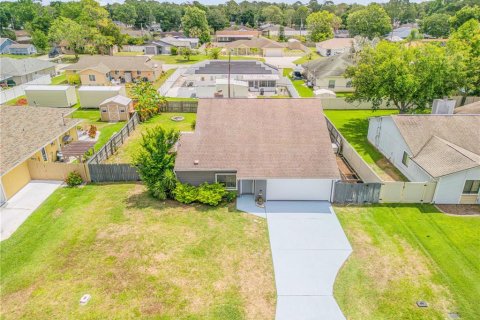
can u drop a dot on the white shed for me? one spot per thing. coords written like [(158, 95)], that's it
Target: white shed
[(61, 96), (93, 96)]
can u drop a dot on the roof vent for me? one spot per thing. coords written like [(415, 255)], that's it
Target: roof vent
[(196, 162)]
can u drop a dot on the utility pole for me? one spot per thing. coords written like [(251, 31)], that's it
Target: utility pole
[(229, 61)]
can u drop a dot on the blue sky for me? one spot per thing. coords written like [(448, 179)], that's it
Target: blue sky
[(223, 1)]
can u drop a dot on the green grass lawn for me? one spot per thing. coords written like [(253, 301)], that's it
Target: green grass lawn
[(13, 102), (92, 117), (138, 258), (125, 152), (161, 80), (19, 56), (406, 253), (168, 59), (308, 57), (128, 54), (353, 125), (302, 89), (60, 79)]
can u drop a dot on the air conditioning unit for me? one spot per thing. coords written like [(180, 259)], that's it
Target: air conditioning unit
[(443, 106)]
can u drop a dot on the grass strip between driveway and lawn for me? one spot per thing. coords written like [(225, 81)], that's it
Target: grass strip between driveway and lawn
[(406, 253), (137, 257), (300, 85)]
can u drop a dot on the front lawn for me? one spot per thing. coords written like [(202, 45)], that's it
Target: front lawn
[(137, 257), (169, 59), (60, 79), (92, 117), (353, 125), (406, 253), (308, 57), (300, 85), (125, 153)]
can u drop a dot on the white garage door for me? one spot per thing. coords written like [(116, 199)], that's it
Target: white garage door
[(299, 189)]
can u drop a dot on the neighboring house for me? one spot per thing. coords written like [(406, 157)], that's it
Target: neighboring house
[(273, 30), (22, 36), (93, 96), (24, 70), (327, 73), (208, 79), (106, 70), (277, 148), (341, 33), (53, 96), (118, 108), (39, 136), (5, 44), (165, 45), (22, 49), (256, 46), (233, 35), (175, 34), (441, 148), (472, 108), (334, 46), (401, 33)]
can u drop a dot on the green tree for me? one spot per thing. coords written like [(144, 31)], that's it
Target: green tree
[(406, 77), (155, 161), (196, 19), (273, 14), (371, 22), (289, 17), (301, 15), (215, 53), (148, 99), (125, 13), (464, 46), (217, 19), (281, 34), (70, 31), (186, 52), (437, 25), (465, 14), (321, 25), (40, 40)]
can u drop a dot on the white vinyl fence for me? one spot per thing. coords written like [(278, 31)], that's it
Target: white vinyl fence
[(17, 91), (167, 85)]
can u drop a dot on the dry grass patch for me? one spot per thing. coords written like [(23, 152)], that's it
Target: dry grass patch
[(138, 258)]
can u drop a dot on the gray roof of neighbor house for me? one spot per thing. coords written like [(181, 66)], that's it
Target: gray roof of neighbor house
[(19, 67), (275, 27), (237, 33), (442, 144), (262, 43), (259, 138), (25, 130), (141, 63), (334, 66), (236, 67), (21, 45), (472, 108), (177, 41)]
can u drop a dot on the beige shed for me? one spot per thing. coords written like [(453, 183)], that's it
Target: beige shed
[(92, 96), (118, 108), (55, 96)]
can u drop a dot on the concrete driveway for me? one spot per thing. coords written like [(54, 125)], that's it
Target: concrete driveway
[(282, 62), (22, 204), (308, 247)]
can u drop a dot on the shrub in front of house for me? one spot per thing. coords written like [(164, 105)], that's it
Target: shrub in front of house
[(174, 51), (207, 193), (74, 179)]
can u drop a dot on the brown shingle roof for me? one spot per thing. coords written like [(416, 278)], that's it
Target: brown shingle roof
[(442, 144), (113, 63), (259, 138), (336, 43), (254, 43), (252, 33), (472, 108), (25, 130)]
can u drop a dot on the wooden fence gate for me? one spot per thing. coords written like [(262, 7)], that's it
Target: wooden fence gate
[(112, 172), (356, 193)]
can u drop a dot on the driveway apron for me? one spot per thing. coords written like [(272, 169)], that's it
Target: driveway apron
[(308, 247)]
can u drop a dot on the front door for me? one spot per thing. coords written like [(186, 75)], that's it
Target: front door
[(128, 77)]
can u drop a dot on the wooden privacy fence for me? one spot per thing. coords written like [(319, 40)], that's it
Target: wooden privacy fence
[(56, 170), (407, 192), (356, 193), (115, 141), (180, 106), (113, 172)]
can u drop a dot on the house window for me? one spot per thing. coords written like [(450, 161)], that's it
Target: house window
[(139, 72), (227, 179), (116, 72), (44, 154), (104, 109), (331, 84), (91, 77), (122, 109), (405, 159), (349, 84), (471, 186)]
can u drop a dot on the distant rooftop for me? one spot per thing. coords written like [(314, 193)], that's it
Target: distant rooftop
[(236, 67)]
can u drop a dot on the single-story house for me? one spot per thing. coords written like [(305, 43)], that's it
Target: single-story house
[(208, 79), (440, 148), (327, 73), (277, 148), (165, 45), (24, 70), (39, 136), (22, 49), (334, 46), (273, 30), (233, 35), (54, 96), (106, 70), (256, 46), (93, 96), (5, 43), (118, 108)]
